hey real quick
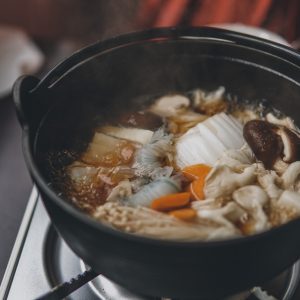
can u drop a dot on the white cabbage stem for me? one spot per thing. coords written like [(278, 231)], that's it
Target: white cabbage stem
[(206, 142)]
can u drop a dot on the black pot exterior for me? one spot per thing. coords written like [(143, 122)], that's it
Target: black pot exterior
[(149, 63)]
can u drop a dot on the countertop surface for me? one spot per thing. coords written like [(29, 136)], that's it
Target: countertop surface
[(15, 182)]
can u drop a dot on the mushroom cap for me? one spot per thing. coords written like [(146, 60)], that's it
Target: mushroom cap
[(274, 145), (291, 144), (262, 138)]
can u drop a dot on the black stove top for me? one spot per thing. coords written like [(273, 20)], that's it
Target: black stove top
[(41, 260)]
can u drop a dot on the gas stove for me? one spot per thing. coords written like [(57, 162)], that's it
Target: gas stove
[(41, 260)]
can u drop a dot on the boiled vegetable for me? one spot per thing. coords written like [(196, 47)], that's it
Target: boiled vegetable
[(197, 189), (155, 189), (171, 201), (206, 142), (170, 105), (198, 171), (185, 214), (108, 151), (137, 135)]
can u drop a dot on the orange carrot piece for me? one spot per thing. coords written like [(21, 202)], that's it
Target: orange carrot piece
[(171, 201), (185, 214), (195, 172), (197, 189)]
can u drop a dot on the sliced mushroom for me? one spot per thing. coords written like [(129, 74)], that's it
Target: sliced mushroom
[(265, 143), (252, 198), (291, 144), (222, 181), (171, 105)]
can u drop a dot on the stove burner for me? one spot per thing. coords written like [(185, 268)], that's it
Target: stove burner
[(108, 290)]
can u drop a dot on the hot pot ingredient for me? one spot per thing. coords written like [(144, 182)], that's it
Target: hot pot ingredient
[(198, 171), (171, 201), (204, 174), (197, 189), (185, 214), (158, 188), (272, 143), (206, 142)]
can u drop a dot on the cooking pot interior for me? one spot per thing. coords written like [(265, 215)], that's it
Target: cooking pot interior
[(128, 77), (63, 115)]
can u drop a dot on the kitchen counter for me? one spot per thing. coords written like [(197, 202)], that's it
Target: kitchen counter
[(15, 182)]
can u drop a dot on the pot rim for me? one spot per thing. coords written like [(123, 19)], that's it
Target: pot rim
[(201, 33)]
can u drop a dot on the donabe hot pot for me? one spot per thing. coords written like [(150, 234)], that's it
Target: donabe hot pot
[(56, 110)]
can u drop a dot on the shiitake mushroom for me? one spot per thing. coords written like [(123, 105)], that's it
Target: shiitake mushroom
[(270, 142)]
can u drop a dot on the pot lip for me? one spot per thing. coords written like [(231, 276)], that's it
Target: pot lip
[(128, 39), (207, 33)]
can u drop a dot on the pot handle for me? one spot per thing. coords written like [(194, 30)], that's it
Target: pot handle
[(27, 109)]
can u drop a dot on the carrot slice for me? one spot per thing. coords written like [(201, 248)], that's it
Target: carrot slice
[(185, 214), (197, 189), (171, 201), (195, 172)]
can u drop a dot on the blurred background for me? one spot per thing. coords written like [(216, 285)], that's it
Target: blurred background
[(37, 34), (50, 21)]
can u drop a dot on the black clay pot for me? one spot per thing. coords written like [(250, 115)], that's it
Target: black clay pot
[(108, 75)]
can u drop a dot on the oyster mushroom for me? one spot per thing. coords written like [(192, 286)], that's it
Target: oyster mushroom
[(209, 103), (223, 216), (267, 181), (252, 198), (291, 175), (222, 181), (289, 206), (170, 105), (280, 166)]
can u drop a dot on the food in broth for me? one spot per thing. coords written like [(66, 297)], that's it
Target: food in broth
[(213, 168)]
